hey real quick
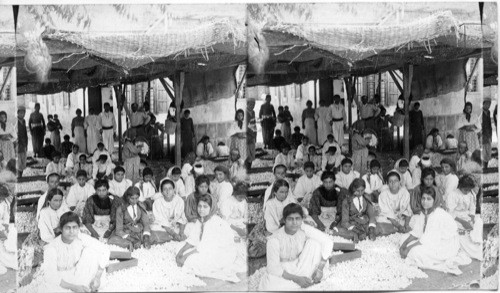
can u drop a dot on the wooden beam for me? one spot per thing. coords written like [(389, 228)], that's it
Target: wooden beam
[(469, 79), (5, 82), (179, 86), (167, 88), (350, 83), (396, 81), (119, 102), (407, 79)]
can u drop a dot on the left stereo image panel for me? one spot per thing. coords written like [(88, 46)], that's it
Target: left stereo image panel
[(10, 145)]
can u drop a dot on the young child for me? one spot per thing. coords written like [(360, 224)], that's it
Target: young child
[(221, 188), (83, 165), (451, 142), (103, 168), (463, 155), (285, 157), (278, 140), (402, 166), (132, 161), (330, 142), (307, 183), (449, 183), (119, 184), (72, 160), (296, 137), (359, 151), (147, 188), (493, 162), (222, 149), (415, 158), (237, 167), (188, 166), (332, 160), (66, 146), (79, 193), (56, 166), (314, 158), (279, 172), (302, 151), (48, 149), (168, 211), (52, 182), (373, 181), (346, 176), (99, 152), (235, 210), (174, 174)]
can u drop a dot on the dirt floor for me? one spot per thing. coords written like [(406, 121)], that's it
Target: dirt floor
[(8, 281)]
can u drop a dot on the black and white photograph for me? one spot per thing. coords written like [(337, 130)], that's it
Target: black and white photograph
[(248, 147)]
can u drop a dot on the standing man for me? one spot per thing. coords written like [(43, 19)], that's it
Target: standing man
[(37, 129), (487, 130), (268, 118), (251, 132), (187, 134), (137, 119), (108, 130), (367, 112), (22, 141), (339, 121), (416, 126)]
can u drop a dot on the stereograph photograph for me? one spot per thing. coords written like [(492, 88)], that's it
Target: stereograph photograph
[(249, 147)]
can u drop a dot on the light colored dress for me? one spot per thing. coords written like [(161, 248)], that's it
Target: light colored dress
[(49, 220), (235, 212), (222, 191), (470, 137), (168, 214), (77, 197), (282, 159), (273, 212), (343, 180), (394, 206), (297, 254), (373, 182), (75, 263), (7, 146), (8, 247), (306, 186), (55, 168), (447, 185), (92, 125), (119, 188), (440, 243), (310, 125), (78, 124), (236, 142), (323, 118), (217, 252)]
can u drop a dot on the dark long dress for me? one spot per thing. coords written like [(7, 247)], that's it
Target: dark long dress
[(37, 127), (325, 198), (416, 128), (187, 135), (268, 116), (101, 207)]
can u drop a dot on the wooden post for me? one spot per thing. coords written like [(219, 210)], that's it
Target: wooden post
[(396, 81), (84, 103), (4, 84), (179, 86), (120, 99), (350, 84), (315, 107), (407, 79)]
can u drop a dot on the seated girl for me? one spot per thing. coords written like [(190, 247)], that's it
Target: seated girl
[(237, 168), (346, 176), (210, 250), (103, 168), (99, 213), (174, 174), (79, 192), (132, 222), (119, 184), (285, 157), (373, 181), (461, 205), (279, 172), (402, 166), (358, 214), (449, 182), (83, 165), (202, 184), (428, 180), (52, 210), (273, 208), (296, 254), (73, 262), (462, 156), (221, 188), (332, 160), (306, 184), (395, 210), (235, 210), (325, 201), (147, 189), (434, 142), (168, 213), (434, 242), (204, 148), (312, 157), (8, 232), (56, 166)]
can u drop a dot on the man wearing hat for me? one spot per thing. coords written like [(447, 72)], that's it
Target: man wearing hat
[(487, 130), (22, 140)]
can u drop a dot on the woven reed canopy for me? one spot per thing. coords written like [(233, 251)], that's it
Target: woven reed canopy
[(307, 42), (143, 43)]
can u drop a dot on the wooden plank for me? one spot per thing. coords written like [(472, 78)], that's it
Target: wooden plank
[(167, 88), (29, 192), (348, 256), (344, 246), (31, 178), (27, 201), (120, 255), (396, 81), (122, 265), (260, 170), (407, 79), (179, 86), (27, 209), (256, 193), (5, 81), (491, 198)]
